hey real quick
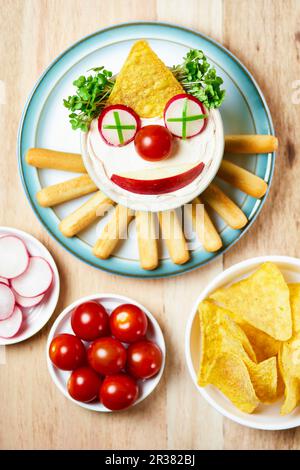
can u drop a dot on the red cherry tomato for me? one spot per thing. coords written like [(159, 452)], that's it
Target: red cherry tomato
[(90, 321), (67, 352), (144, 359), (128, 323), (107, 356), (84, 384), (118, 391), (153, 143)]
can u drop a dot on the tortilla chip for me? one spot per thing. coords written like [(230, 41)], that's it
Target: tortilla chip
[(144, 82), (295, 306), (230, 375), (263, 345), (264, 379), (289, 362), (219, 334), (261, 300)]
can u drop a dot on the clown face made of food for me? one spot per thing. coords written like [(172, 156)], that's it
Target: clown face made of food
[(153, 145)]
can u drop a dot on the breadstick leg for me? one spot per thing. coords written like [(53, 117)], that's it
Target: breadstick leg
[(205, 229), (224, 206), (85, 215), (113, 232), (44, 158), (66, 191), (250, 143), (147, 241), (242, 179), (173, 235)]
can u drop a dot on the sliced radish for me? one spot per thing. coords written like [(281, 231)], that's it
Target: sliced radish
[(14, 256), (36, 280), (118, 125), (27, 302), (3, 280), (185, 116), (7, 302), (11, 326)]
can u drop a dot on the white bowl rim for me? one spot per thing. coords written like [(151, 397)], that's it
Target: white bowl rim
[(98, 297), (248, 263), (54, 294)]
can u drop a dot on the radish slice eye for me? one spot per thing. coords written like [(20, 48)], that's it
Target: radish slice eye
[(185, 116), (118, 125)]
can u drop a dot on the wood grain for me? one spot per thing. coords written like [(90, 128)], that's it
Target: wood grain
[(175, 416)]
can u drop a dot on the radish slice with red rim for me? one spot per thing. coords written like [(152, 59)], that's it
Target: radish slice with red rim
[(185, 116), (36, 280), (11, 326), (3, 280), (27, 302), (14, 257), (7, 302), (118, 125)]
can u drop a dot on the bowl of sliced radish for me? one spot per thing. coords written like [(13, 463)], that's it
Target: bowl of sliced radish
[(29, 285)]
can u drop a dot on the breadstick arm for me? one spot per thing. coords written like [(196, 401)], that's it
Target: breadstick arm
[(250, 143), (45, 158), (204, 227), (66, 191), (242, 179), (224, 206), (147, 241), (173, 235)]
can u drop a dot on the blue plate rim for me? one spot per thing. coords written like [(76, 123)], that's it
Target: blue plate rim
[(148, 274)]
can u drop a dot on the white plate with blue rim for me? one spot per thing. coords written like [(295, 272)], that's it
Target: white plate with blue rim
[(45, 124)]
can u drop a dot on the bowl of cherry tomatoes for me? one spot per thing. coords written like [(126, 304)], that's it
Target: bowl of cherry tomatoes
[(106, 352)]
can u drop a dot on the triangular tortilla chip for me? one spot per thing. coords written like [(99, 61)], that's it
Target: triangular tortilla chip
[(219, 334), (230, 375), (264, 379), (295, 306), (261, 300), (289, 364), (144, 82)]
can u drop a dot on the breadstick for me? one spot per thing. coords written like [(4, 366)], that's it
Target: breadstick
[(250, 143), (113, 232), (147, 241), (224, 206), (242, 179), (66, 191), (44, 158), (205, 229), (85, 215), (173, 236)]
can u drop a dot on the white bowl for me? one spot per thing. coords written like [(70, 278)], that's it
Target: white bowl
[(162, 202), (265, 416), (109, 301), (36, 317)]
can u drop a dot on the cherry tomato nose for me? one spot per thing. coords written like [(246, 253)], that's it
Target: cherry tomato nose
[(153, 142)]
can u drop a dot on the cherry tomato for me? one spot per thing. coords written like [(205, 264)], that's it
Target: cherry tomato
[(67, 352), (144, 359), (153, 143), (107, 356), (84, 384), (118, 391), (90, 321), (128, 323)]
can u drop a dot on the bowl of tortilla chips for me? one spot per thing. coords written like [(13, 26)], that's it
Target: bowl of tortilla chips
[(243, 343)]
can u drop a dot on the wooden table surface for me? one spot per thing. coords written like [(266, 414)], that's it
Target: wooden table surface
[(265, 36)]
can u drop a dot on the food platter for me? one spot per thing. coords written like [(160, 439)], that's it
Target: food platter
[(44, 124)]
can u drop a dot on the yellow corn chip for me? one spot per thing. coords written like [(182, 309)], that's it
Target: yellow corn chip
[(289, 362), (144, 82), (263, 345), (264, 379), (261, 300), (295, 306), (230, 375), (219, 334)]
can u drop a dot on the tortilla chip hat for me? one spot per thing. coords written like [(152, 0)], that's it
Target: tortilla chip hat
[(144, 82)]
